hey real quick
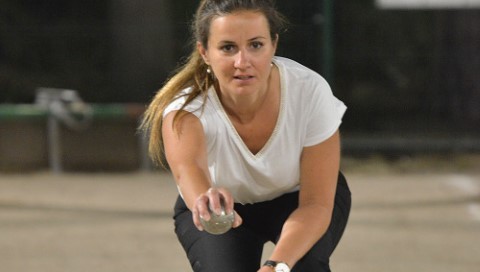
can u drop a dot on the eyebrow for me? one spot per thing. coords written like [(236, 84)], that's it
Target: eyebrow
[(252, 39), (256, 38)]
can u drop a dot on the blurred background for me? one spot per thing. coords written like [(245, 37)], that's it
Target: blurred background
[(408, 72), (77, 191)]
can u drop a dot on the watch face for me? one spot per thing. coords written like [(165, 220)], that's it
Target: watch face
[(282, 267)]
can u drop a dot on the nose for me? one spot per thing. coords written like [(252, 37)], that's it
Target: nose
[(242, 60)]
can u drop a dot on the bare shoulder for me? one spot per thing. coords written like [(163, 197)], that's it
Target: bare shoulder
[(185, 123), (183, 140)]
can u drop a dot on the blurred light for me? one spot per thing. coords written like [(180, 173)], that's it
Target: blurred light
[(428, 4)]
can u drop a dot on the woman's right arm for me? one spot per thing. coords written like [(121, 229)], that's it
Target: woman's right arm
[(186, 154)]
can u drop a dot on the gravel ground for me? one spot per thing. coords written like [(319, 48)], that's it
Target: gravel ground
[(411, 215)]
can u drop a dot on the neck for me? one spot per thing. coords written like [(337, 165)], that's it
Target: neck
[(246, 108)]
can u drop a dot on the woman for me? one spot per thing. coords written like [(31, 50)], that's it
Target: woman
[(256, 132)]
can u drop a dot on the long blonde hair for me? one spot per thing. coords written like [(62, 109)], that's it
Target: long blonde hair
[(193, 74)]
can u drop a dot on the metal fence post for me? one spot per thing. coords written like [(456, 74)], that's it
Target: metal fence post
[(54, 145), (328, 41)]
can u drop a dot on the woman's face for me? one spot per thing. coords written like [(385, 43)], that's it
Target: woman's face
[(240, 52)]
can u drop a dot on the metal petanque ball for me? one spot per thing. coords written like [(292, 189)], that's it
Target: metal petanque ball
[(218, 224)]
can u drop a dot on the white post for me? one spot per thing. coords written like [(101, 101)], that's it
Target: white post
[(54, 144)]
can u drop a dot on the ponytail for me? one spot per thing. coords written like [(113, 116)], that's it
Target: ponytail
[(192, 74)]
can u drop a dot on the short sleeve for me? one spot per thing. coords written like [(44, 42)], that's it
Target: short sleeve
[(194, 106), (325, 113)]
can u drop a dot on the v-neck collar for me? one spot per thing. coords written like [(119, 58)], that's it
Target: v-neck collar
[(221, 111)]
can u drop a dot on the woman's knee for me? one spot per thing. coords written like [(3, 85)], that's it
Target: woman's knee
[(234, 251), (316, 260)]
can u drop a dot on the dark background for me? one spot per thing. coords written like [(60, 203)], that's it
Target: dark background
[(399, 71)]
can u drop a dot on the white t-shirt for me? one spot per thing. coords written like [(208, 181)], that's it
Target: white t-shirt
[(309, 114)]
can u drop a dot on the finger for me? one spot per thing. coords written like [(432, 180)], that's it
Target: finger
[(201, 206), (215, 200), (196, 220), (237, 220), (227, 200)]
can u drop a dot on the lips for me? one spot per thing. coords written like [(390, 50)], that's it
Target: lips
[(243, 77)]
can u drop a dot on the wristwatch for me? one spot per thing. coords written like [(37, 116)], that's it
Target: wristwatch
[(278, 266)]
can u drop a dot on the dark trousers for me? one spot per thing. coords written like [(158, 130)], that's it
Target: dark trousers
[(240, 249)]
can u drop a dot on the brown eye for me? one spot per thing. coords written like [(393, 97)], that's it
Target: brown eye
[(227, 48), (257, 45)]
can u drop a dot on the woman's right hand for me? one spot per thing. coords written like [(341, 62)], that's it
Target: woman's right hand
[(214, 198)]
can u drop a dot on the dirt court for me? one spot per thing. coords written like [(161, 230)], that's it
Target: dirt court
[(426, 221)]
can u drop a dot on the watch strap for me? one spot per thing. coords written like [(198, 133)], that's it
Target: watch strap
[(270, 263), (282, 266)]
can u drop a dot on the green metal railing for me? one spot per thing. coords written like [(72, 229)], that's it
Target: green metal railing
[(15, 112)]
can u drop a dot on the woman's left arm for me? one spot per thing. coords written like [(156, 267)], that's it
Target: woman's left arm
[(307, 224)]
